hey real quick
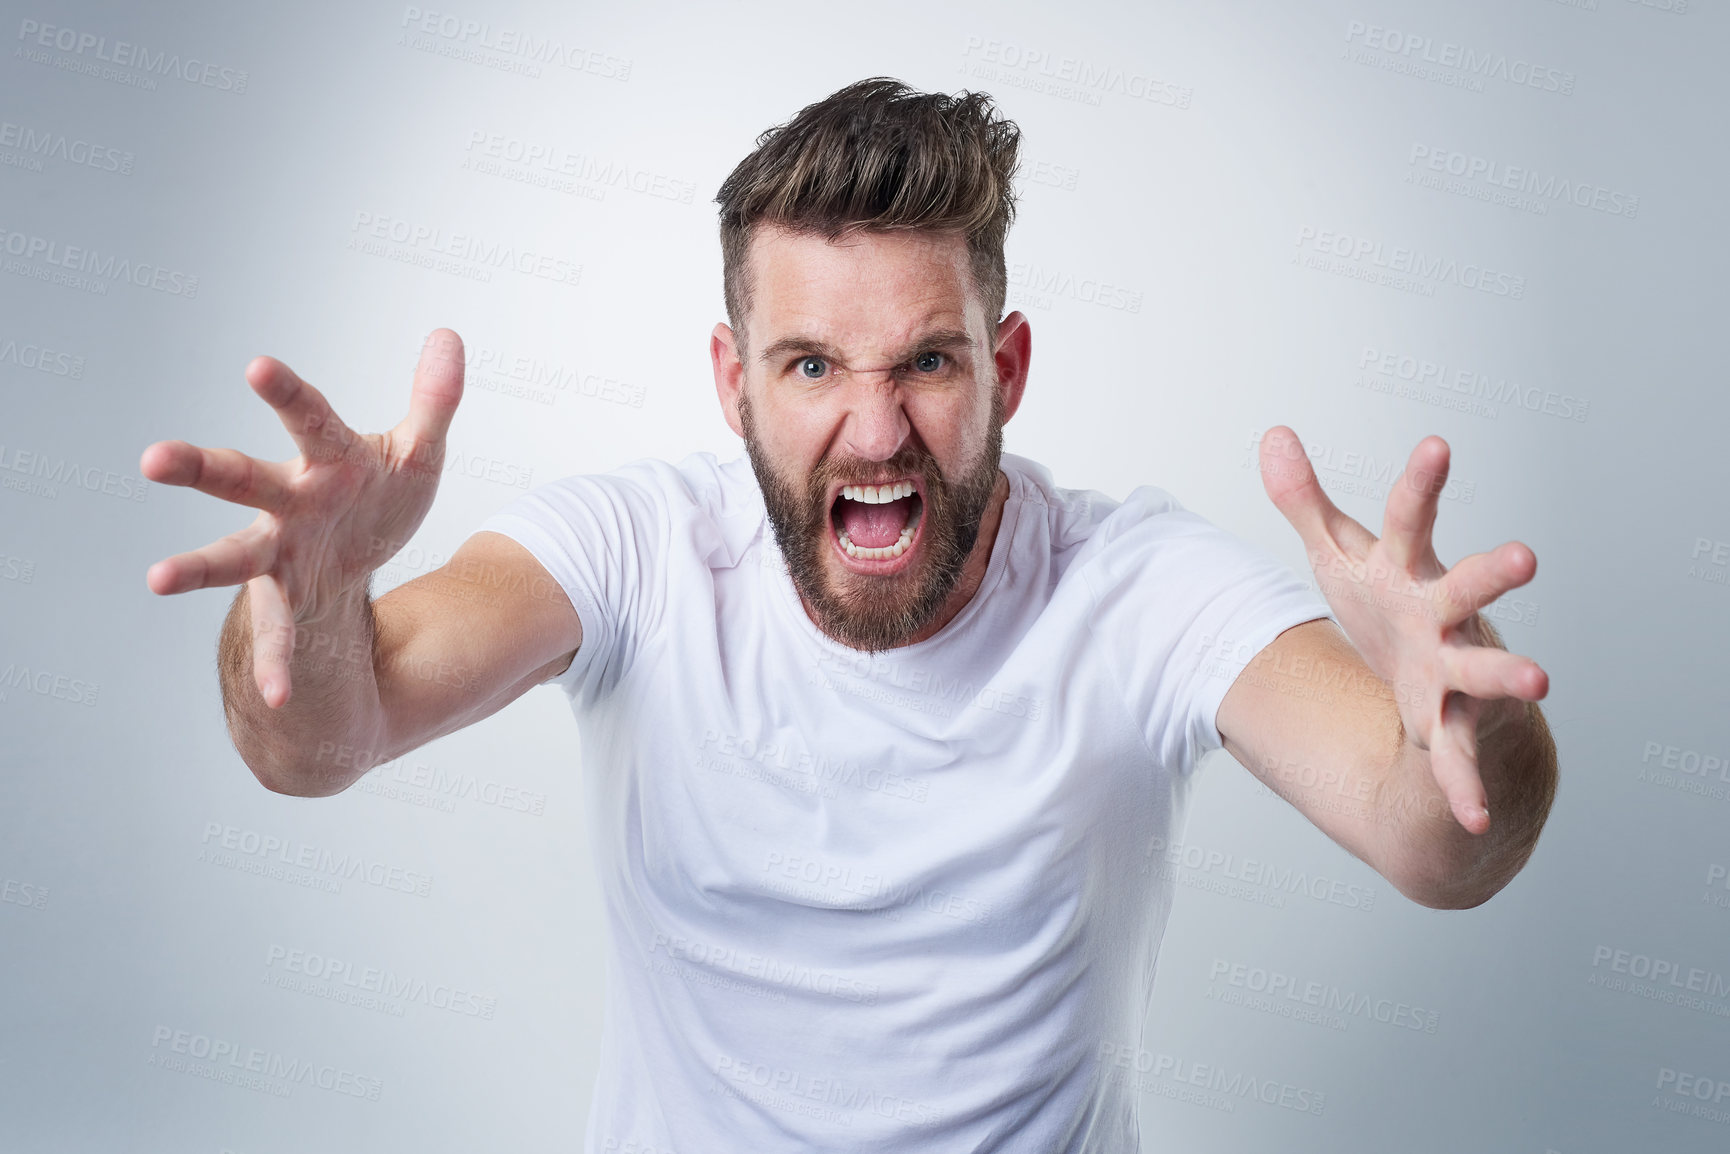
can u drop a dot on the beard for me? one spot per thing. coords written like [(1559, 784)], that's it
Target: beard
[(869, 612)]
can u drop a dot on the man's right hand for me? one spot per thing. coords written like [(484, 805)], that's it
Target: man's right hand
[(327, 518)]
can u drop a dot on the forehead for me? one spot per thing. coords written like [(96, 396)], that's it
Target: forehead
[(864, 287)]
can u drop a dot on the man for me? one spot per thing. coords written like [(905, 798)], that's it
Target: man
[(878, 722)]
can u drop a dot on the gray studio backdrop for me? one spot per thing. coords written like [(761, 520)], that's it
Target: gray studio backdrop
[(1498, 220)]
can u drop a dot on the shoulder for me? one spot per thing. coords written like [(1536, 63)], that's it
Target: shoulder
[(698, 507), (1094, 528), (693, 486)]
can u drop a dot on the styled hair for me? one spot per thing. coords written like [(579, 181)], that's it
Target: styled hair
[(877, 156)]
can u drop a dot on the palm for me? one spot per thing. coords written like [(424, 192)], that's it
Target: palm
[(1413, 620), (326, 518), (344, 515)]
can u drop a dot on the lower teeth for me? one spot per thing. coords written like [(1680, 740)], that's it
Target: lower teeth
[(886, 552)]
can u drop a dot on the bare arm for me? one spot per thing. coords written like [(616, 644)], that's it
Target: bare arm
[(374, 680), (319, 683), (1443, 729), (1310, 719)]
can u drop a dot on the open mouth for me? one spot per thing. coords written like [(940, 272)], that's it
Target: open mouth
[(877, 522)]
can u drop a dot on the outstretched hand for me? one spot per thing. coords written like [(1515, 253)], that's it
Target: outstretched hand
[(327, 518), (1414, 621)]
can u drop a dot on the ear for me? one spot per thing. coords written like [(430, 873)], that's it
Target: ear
[(1012, 353), (729, 375)]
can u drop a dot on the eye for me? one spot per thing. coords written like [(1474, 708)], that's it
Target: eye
[(812, 368), (928, 362)]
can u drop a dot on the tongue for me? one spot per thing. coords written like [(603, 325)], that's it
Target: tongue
[(875, 526)]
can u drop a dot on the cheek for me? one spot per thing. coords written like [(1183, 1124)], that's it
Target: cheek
[(954, 431)]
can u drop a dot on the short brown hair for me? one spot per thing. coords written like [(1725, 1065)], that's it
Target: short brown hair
[(877, 156)]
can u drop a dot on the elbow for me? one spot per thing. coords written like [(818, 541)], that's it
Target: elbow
[(1461, 889), (304, 769), (1456, 897), (292, 784), (293, 778)]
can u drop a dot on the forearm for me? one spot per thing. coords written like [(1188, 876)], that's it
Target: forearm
[(317, 742), (1442, 864)]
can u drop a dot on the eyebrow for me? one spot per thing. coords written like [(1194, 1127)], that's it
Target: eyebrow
[(935, 339)]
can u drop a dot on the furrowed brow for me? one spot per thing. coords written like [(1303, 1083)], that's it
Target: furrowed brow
[(939, 339)]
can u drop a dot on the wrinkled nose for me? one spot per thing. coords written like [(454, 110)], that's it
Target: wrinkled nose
[(877, 424)]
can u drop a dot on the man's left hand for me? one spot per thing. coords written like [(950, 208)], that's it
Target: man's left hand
[(1414, 621)]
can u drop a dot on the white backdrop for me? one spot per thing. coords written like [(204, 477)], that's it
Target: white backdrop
[(1497, 220)]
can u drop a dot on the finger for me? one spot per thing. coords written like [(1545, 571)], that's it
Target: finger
[(318, 432), (233, 560), (1411, 510), (438, 386), (1291, 485), (1488, 673), (225, 473), (1477, 580), (272, 639), (1454, 762)]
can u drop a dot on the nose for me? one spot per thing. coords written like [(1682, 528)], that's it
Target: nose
[(876, 423)]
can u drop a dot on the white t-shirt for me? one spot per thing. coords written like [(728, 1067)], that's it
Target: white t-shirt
[(895, 903)]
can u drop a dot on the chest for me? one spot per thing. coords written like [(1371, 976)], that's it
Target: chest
[(969, 791)]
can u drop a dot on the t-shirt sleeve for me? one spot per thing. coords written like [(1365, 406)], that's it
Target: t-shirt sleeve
[(1181, 607), (601, 537)]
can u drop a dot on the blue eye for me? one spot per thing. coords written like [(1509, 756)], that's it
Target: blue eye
[(928, 362), (805, 366)]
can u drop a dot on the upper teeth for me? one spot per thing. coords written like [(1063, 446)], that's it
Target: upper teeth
[(878, 494)]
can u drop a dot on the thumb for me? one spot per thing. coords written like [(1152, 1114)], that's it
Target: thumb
[(438, 386), (1291, 485)]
